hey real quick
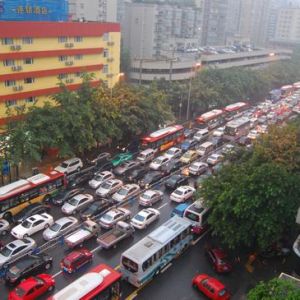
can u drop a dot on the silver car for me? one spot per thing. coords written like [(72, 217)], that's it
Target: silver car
[(59, 227), (109, 219), (100, 178), (73, 205), (15, 249), (125, 192), (149, 197), (109, 187)]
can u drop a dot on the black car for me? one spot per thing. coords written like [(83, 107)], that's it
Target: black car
[(175, 181), (171, 166), (30, 210), (108, 166), (136, 174), (64, 195), (150, 178), (28, 266), (80, 180), (95, 208)]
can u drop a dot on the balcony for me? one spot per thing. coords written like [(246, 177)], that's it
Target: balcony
[(16, 68), (69, 45), (69, 63)]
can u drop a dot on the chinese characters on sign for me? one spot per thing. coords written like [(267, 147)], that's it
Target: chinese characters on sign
[(36, 10)]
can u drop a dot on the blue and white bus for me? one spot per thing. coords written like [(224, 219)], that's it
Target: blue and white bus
[(149, 256)]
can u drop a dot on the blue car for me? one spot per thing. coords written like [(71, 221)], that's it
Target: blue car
[(179, 210), (188, 144)]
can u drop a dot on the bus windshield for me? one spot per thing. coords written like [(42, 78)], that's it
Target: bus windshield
[(192, 216), (129, 264)]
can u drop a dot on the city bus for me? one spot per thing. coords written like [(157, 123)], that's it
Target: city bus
[(234, 110), (101, 282), (211, 119), (19, 194), (296, 86), (236, 128), (163, 139), (286, 90), (153, 254)]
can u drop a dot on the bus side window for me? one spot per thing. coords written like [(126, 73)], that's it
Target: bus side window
[(160, 253), (59, 182)]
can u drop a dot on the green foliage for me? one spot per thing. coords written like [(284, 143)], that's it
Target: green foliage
[(254, 200), (275, 289)]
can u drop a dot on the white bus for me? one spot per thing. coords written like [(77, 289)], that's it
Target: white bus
[(236, 128), (153, 253)]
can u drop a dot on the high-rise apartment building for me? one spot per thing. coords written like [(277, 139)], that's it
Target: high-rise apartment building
[(36, 56), (93, 10)]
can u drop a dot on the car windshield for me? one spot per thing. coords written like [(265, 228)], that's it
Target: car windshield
[(107, 217), (146, 196), (123, 192), (73, 201), (98, 177), (158, 161), (64, 165), (26, 224), (6, 252), (222, 292), (173, 179), (105, 186), (178, 192), (14, 270), (55, 227), (187, 155), (19, 291), (139, 218), (171, 151)]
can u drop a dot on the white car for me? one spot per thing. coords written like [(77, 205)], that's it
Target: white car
[(125, 192), (109, 187), (144, 218), (262, 128), (219, 131), (182, 193), (253, 134), (214, 159), (173, 153), (69, 166), (158, 162), (201, 134), (73, 205), (4, 226), (110, 218), (227, 149), (15, 249), (32, 225), (59, 227), (149, 197), (100, 178), (197, 168)]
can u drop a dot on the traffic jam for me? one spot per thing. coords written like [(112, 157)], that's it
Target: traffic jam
[(80, 231)]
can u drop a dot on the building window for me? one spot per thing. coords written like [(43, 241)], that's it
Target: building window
[(78, 57), (63, 58), (62, 76), (11, 102), (29, 80), (27, 40), (8, 62), (105, 36), (105, 69), (28, 61), (78, 39), (62, 39), (30, 99), (78, 74), (10, 83), (7, 41), (105, 53)]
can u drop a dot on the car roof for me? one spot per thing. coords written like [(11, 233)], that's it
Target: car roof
[(63, 220), (144, 212), (71, 160), (184, 188), (79, 196), (28, 283), (15, 244), (150, 192), (74, 254)]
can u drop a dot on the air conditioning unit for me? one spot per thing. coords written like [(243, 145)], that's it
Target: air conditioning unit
[(13, 48), (110, 59), (69, 45), (69, 80), (19, 68), (110, 43), (69, 63), (109, 75), (14, 68), (18, 88), (18, 47)]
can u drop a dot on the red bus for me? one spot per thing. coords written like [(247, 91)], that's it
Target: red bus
[(235, 110), (286, 90), (211, 119), (163, 139), (101, 282), (19, 194)]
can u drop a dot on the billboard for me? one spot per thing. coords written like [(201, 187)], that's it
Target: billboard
[(33, 10)]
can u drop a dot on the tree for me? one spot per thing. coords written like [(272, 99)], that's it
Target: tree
[(275, 289)]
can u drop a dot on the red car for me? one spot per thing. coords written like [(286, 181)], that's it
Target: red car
[(32, 288), (75, 260), (210, 287), (217, 257)]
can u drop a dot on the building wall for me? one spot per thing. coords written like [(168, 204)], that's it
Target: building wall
[(32, 66)]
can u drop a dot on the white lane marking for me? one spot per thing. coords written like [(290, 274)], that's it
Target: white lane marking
[(162, 206), (166, 268), (95, 249), (56, 274), (201, 237)]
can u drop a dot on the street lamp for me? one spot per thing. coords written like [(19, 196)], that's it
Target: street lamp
[(194, 67)]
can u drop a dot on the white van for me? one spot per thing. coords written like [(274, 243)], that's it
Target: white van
[(205, 148), (197, 214), (146, 156)]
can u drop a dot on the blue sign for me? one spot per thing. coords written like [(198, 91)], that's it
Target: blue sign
[(33, 10), (5, 168)]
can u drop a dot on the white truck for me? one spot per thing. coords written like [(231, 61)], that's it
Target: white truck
[(110, 239), (87, 230)]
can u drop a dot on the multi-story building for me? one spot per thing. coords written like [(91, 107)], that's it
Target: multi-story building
[(36, 56), (288, 26), (93, 10)]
